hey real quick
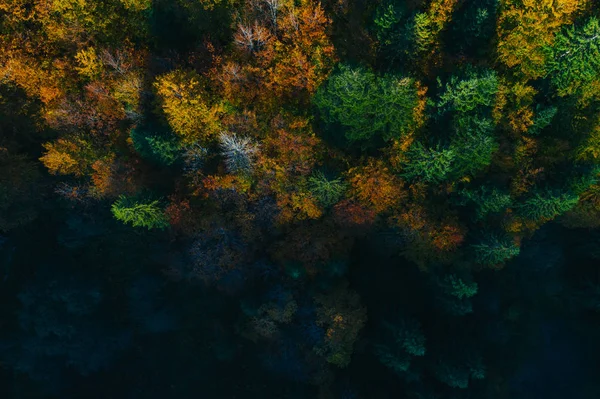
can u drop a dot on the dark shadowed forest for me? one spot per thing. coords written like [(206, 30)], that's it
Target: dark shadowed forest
[(345, 199)]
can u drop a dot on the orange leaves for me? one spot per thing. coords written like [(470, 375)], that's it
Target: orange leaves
[(284, 53), (112, 178), (376, 187), (294, 151), (288, 155), (348, 213), (31, 77), (447, 238), (306, 54), (430, 240)]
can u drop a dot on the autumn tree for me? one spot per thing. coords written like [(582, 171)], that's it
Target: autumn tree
[(239, 152), (190, 110), (282, 53), (526, 27), (343, 316), (69, 155), (376, 187)]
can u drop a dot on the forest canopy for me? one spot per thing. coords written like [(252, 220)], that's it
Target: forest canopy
[(299, 199)]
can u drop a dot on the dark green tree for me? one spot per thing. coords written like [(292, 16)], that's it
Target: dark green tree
[(494, 250), (477, 90), (485, 200), (431, 165), (543, 118), (456, 372), (162, 149), (474, 152), (366, 105), (547, 205), (399, 344)]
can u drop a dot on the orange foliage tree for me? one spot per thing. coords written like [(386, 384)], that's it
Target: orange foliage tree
[(282, 51), (375, 187)]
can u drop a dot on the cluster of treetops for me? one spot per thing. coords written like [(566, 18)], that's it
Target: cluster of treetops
[(287, 130)]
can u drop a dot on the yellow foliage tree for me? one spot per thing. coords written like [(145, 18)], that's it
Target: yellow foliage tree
[(68, 157), (525, 27), (428, 27), (90, 64), (190, 110)]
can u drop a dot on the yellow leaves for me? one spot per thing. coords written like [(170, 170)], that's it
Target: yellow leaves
[(188, 107), (90, 64), (59, 158), (31, 77), (419, 111), (297, 206), (590, 150), (514, 103), (68, 156), (525, 27), (440, 12), (67, 5), (128, 89), (429, 26), (137, 5)]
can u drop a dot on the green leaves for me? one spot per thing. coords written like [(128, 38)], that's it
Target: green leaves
[(401, 342), (575, 58), (470, 146), (467, 95), (486, 201), (458, 287), (139, 213), (327, 192), (432, 165), (548, 205), (468, 154), (158, 148), (366, 105), (492, 251)]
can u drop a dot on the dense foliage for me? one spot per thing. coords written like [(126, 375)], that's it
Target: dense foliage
[(295, 199)]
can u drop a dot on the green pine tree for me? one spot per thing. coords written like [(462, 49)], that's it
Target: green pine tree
[(139, 213)]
